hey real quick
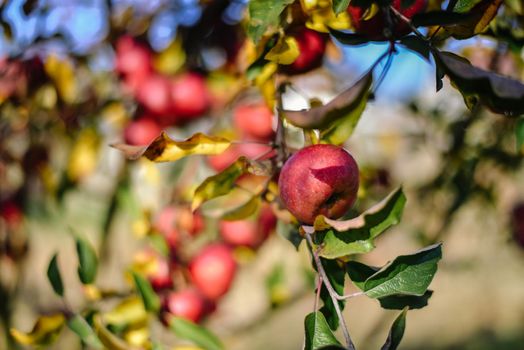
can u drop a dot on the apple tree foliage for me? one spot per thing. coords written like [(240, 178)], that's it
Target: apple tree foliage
[(53, 99)]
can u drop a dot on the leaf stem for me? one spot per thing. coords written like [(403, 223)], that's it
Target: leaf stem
[(332, 293), (408, 22)]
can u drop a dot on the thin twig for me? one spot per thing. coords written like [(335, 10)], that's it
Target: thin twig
[(332, 293), (317, 297), (408, 22)]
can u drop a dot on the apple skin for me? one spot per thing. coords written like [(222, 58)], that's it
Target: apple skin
[(373, 28), (249, 232), (190, 97), (312, 46), (517, 222), (319, 179), (154, 93), (187, 303), (254, 121), (141, 132), (212, 270)]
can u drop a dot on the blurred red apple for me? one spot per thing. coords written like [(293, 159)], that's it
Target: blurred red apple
[(141, 132), (249, 232), (250, 150), (188, 304), (319, 179), (154, 93), (189, 96), (312, 46), (373, 28), (132, 58), (160, 278), (212, 270), (11, 213), (254, 121)]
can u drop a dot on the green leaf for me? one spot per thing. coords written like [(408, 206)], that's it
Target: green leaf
[(200, 336), (399, 302), (406, 274), (336, 276), (318, 334), (340, 6), (264, 15), (519, 133), (243, 211), (417, 45), (396, 332), (219, 184), (499, 93), (87, 261), (148, 295), (359, 272), (54, 277), (355, 236), (80, 326), (323, 117)]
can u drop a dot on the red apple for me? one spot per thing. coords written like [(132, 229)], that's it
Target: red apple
[(189, 96), (141, 132), (312, 46), (11, 213), (190, 222), (254, 121), (249, 232), (373, 28), (212, 270), (188, 304), (250, 150), (132, 58), (161, 277), (319, 179), (154, 93)]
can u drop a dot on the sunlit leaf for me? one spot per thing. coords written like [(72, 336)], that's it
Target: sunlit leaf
[(171, 59), (128, 312), (200, 336), (396, 332), (84, 331), (44, 332), (243, 211), (285, 51), (345, 237), (341, 106), (340, 6), (407, 274), (501, 94), (264, 15), (87, 261), (318, 334), (110, 340), (149, 297), (54, 277), (219, 184), (164, 149)]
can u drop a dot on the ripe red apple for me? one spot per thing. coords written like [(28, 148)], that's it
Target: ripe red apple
[(161, 277), (188, 304), (141, 132), (254, 121), (190, 97), (190, 222), (373, 28), (154, 93), (11, 213), (250, 150), (212, 270), (249, 232), (312, 46), (517, 222), (319, 179), (132, 58)]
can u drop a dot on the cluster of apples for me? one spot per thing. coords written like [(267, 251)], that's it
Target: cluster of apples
[(163, 100), (190, 286)]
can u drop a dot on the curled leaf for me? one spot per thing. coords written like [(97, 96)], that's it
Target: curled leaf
[(44, 332), (165, 149), (285, 51), (322, 116)]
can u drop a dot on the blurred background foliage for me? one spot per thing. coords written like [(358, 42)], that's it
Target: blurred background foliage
[(79, 75)]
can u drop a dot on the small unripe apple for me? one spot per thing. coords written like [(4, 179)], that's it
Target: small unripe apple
[(319, 179), (517, 222), (373, 28), (312, 46), (141, 132), (212, 270), (254, 121), (154, 93), (189, 96), (188, 304)]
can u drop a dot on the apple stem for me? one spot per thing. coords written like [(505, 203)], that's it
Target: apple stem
[(332, 293)]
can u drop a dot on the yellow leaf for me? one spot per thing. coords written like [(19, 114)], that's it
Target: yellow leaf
[(83, 158), (129, 312), (285, 51), (219, 184), (243, 211), (110, 340), (171, 59), (138, 336), (44, 332), (63, 75), (164, 149)]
